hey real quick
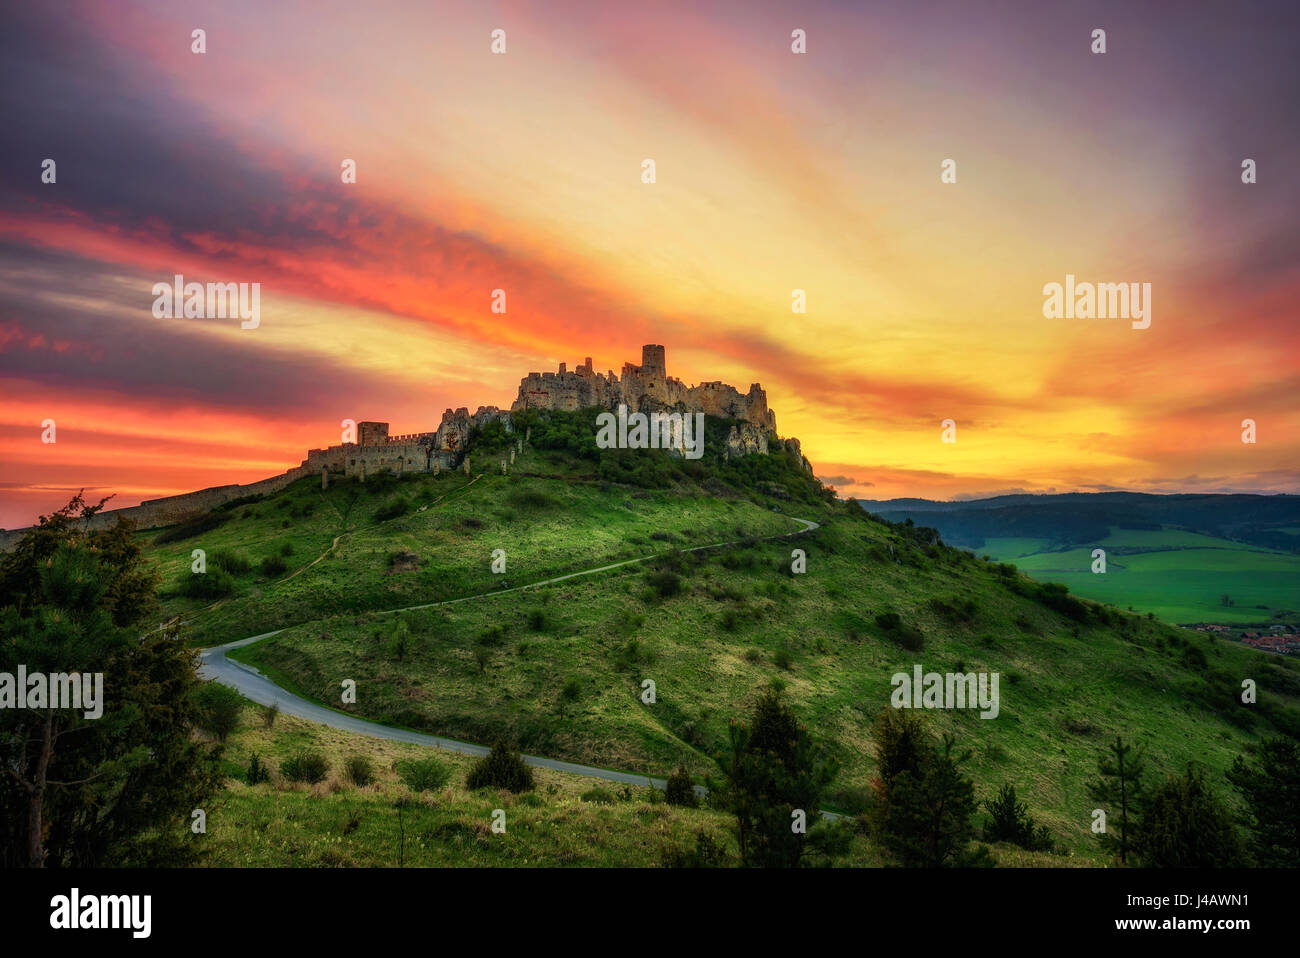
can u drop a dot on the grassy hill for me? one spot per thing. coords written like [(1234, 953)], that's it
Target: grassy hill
[(560, 669)]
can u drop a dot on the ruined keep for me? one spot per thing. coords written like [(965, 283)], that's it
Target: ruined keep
[(644, 388)]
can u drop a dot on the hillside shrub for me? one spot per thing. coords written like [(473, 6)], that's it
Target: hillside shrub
[(394, 507), (1057, 597), (193, 527), (680, 790), (217, 709), (213, 584), (502, 767), (899, 632), (423, 775), (360, 771), (534, 499), (305, 766), (665, 584), (231, 562), (257, 772), (955, 609), (706, 854)]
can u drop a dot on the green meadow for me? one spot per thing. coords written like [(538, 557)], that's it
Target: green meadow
[(561, 670), (1178, 575)]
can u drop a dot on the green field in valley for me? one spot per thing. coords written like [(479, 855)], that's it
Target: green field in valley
[(1179, 576)]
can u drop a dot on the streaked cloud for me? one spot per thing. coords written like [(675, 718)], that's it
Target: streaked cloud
[(776, 172)]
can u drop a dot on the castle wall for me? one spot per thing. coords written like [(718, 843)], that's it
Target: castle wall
[(643, 388), (173, 509)]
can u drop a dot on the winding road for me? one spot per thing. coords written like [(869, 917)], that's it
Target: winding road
[(253, 685)]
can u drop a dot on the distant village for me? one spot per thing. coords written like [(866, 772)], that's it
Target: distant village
[(1276, 639)]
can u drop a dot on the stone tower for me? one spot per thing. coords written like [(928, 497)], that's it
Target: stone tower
[(372, 433), (652, 363)]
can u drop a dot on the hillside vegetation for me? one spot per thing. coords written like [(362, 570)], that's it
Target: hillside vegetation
[(561, 670)]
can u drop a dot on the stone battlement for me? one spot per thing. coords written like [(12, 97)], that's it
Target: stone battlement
[(643, 388)]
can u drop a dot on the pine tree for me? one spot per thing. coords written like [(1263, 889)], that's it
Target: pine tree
[(902, 745), (1120, 785), (1010, 821), (1271, 789), (926, 819), (773, 771), (115, 790), (1184, 825)]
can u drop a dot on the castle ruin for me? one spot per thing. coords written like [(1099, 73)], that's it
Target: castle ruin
[(646, 388), (643, 388)]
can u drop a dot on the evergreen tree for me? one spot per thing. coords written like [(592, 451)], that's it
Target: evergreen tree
[(109, 791), (926, 818), (902, 745), (1184, 825), (1271, 789), (680, 790), (772, 772), (1010, 821), (1120, 786)]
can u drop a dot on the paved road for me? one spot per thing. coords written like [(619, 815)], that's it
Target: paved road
[(255, 686)]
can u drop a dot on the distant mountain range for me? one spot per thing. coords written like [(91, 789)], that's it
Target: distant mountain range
[(1078, 518)]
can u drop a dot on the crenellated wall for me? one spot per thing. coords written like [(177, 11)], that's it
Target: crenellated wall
[(643, 388)]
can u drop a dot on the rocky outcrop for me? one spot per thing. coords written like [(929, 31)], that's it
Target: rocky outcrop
[(746, 439)]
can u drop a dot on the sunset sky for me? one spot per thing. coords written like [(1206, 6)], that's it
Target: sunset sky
[(775, 171)]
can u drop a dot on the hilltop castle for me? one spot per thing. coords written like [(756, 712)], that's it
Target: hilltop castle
[(645, 388)]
